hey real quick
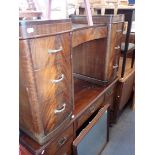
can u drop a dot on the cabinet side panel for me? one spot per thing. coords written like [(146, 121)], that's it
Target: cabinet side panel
[(28, 104)]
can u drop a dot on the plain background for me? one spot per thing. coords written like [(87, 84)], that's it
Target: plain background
[(145, 78)]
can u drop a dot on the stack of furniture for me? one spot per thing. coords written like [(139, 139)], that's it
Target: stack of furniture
[(68, 81)]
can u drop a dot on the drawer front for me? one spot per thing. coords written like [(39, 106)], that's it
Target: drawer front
[(54, 112), (23, 151), (109, 96), (48, 50), (53, 80), (61, 142), (66, 149), (89, 111)]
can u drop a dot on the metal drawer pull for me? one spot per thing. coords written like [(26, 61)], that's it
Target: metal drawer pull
[(62, 141), (60, 110), (55, 51), (59, 80), (92, 109), (115, 66), (117, 47), (109, 93)]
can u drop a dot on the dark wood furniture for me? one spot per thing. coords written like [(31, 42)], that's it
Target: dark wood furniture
[(128, 12), (66, 77), (105, 53), (46, 101), (124, 92), (62, 144)]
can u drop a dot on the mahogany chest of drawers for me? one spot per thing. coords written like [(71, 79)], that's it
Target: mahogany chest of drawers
[(45, 72)]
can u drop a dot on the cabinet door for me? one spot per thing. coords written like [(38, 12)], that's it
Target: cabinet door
[(94, 137)]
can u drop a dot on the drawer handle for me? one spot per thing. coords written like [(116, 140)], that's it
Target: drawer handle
[(62, 141), (117, 47), (109, 93), (61, 109), (54, 51), (92, 109), (58, 80), (115, 66)]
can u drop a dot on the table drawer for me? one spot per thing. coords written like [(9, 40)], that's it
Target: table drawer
[(55, 112), (61, 143), (53, 80), (89, 111), (109, 96), (66, 149), (48, 50)]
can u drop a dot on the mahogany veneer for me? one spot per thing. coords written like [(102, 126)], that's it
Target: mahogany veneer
[(45, 70), (99, 59)]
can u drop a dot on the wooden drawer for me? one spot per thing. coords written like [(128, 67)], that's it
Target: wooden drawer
[(54, 112), (61, 141), (109, 96), (23, 151), (60, 144), (93, 138), (53, 80), (89, 111), (48, 50), (66, 149)]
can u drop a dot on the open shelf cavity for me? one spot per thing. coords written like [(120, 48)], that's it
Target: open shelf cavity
[(85, 94)]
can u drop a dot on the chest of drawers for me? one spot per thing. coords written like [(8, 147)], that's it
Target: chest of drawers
[(45, 78)]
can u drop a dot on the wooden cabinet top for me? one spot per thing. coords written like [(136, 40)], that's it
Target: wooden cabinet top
[(39, 28), (98, 19)]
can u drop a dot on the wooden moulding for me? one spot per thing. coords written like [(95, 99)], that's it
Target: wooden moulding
[(83, 35)]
